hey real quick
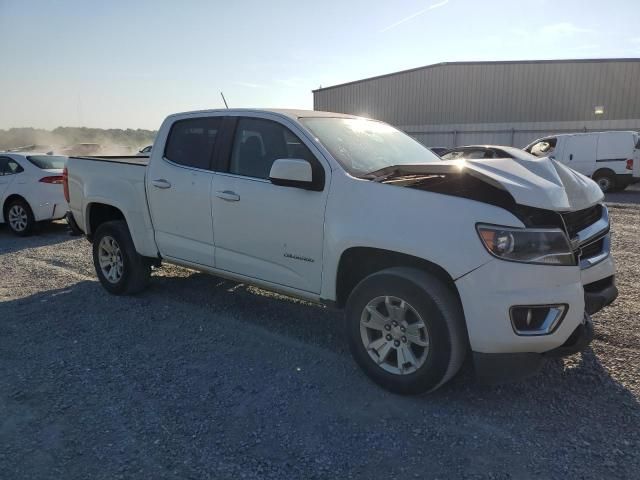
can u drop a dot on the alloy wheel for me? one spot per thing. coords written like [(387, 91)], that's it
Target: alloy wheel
[(604, 183), (394, 335), (110, 259), (18, 218)]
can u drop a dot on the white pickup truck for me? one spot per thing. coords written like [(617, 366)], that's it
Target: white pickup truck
[(431, 259)]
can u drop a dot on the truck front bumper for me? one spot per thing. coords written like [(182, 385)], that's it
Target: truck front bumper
[(489, 293), (505, 367)]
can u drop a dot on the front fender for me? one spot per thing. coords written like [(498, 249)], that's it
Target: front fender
[(435, 227)]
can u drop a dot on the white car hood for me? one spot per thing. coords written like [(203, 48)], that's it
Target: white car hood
[(537, 182)]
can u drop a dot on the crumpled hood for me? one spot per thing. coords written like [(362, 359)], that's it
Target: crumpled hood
[(536, 182)]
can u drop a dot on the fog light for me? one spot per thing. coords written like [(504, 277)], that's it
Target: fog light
[(536, 319)]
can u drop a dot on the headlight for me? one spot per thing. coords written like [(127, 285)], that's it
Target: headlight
[(530, 245)]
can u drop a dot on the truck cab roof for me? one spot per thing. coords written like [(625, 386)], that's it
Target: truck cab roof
[(292, 113)]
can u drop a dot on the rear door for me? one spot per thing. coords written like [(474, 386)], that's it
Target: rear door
[(614, 149), (579, 153), (178, 183), (265, 231)]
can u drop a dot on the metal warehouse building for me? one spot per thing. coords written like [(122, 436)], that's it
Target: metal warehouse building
[(506, 103)]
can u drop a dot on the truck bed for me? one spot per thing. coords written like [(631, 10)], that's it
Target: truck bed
[(115, 181), (129, 160)]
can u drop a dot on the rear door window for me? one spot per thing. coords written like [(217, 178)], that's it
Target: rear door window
[(191, 142), (48, 162)]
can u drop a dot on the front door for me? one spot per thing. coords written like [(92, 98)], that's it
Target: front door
[(179, 190), (8, 170), (268, 232)]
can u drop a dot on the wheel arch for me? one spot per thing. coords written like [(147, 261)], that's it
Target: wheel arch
[(97, 213), (7, 201), (603, 170), (356, 263)]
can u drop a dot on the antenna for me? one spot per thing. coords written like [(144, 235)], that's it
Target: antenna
[(224, 100)]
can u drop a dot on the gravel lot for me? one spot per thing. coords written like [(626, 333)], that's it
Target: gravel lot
[(203, 378)]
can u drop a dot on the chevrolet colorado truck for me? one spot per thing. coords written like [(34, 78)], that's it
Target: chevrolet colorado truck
[(502, 259)]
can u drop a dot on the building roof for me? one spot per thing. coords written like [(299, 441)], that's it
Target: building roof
[(502, 62)]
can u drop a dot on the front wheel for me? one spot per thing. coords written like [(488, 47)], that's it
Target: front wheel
[(121, 270), (406, 330)]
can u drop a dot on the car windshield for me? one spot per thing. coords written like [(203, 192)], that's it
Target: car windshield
[(364, 146), (48, 162)]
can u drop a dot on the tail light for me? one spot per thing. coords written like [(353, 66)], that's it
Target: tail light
[(57, 179), (630, 164), (65, 184)]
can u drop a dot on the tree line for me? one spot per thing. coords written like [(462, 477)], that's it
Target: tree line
[(65, 136)]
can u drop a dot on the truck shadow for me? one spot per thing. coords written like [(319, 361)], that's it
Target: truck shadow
[(581, 375), (162, 341), (314, 325), (47, 233)]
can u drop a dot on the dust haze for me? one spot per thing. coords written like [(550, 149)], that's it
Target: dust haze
[(77, 140)]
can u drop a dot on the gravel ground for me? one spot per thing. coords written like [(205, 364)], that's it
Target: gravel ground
[(202, 378)]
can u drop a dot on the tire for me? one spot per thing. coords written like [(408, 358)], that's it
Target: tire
[(123, 271), (606, 181), (425, 298), (19, 216)]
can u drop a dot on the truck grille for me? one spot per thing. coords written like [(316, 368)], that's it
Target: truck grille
[(581, 219), (592, 249)]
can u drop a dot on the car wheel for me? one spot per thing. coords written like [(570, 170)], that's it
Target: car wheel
[(606, 181), (406, 330), (121, 270), (20, 218)]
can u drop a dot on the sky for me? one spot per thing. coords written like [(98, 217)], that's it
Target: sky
[(130, 63)]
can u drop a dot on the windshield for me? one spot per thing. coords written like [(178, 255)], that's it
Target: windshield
[(48, 162), (364, 146)]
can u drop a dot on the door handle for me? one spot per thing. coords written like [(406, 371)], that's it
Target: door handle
[(161, 183), (571, 157), (228, 195)]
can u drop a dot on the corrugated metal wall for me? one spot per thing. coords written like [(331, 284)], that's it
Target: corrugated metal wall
[(506, 93)]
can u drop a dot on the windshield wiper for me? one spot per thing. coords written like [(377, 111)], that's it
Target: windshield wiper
[(382, 174)]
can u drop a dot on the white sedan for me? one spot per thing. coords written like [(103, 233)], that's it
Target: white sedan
[(31, 190)]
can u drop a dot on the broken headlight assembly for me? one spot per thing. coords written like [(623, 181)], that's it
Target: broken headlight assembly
[(544, 246)]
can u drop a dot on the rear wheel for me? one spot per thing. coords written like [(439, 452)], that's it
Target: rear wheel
[(121, 270), (606, 181), (20, 218), (406, 330)]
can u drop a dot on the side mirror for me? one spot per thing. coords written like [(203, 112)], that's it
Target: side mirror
[(291, 172)]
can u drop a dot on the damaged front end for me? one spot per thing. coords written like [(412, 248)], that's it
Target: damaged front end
[(579, 214)]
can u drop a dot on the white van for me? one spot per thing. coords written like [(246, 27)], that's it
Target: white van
[(612, 159)]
